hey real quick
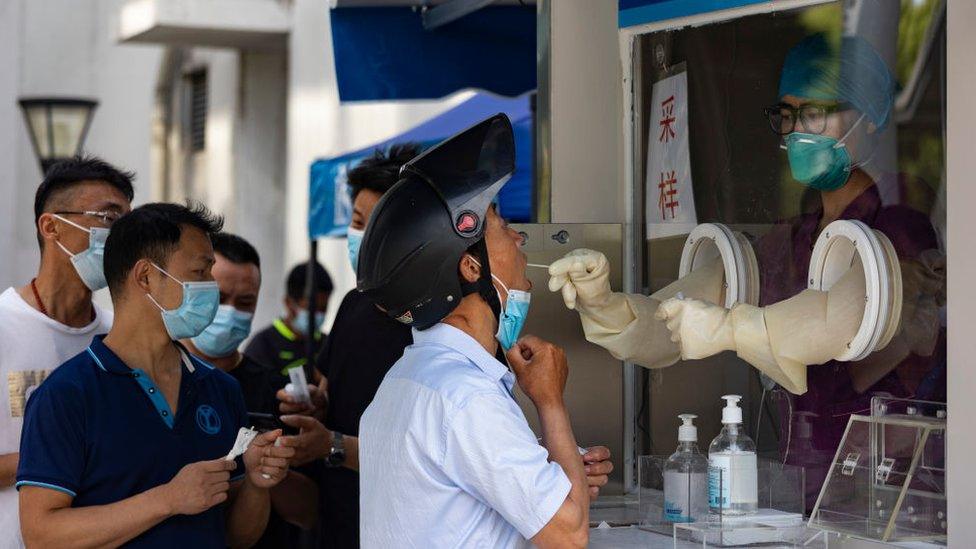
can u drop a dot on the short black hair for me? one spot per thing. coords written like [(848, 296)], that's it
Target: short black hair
[(151, 231), (235, 249), (68, 173), (382, 170), (295, 287)]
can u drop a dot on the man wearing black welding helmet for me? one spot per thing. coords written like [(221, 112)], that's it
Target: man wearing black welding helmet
[(446, 455)]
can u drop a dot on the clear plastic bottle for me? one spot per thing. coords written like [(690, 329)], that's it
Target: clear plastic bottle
[(686, 477), (733, 491)]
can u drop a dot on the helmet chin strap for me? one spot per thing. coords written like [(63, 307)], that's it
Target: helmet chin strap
[(483, 286)]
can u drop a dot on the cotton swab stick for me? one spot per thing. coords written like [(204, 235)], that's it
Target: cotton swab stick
[(538, 266)]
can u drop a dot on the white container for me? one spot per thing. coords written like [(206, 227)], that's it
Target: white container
[(732, 479), (686, 477)]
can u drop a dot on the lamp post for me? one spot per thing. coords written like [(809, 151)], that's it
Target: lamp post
[(57, 125)]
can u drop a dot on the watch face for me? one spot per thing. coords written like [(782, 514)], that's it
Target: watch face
[(337, 458)]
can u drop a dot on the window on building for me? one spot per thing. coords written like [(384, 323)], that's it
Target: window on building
[(197, 112)]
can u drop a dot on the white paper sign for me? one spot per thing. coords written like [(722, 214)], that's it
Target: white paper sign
[(670, 199)]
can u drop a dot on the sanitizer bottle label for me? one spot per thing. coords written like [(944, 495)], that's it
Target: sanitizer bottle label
[(732, 480), (718, 491), (676, 497)]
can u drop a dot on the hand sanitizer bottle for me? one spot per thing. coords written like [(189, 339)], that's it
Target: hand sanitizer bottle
[(732, 486), (686, 477)]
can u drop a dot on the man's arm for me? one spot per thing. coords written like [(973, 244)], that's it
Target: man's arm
[(570, 525), (541, 370), (351, 446), (8, 469), (48, 520), (296, 500), (247, 516)]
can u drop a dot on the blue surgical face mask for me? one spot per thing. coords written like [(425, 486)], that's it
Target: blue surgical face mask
[(301, 321), (88, 263), (354, 237), (820, 161), (225, 333), (512, 319), (196, 311), (515, 309)]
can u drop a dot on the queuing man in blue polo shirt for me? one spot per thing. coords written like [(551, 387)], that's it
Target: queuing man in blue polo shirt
[(126, 442)]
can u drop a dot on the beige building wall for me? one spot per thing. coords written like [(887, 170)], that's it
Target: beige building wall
[(58, 48), (586, 113), (961, 199)]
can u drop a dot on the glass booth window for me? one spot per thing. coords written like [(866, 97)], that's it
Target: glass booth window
[(775, 126)]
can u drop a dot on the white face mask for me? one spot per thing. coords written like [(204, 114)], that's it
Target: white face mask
[(89, 262)]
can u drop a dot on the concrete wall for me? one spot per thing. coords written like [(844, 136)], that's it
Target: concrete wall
[(52, 47), (14, 247), (961, 195), (586, 112), (259, 171)]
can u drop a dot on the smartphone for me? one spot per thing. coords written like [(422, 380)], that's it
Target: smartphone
[(269, 422)]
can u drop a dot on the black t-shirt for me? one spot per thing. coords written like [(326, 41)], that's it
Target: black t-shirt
[(280, 348), (259, 383), (362, 347)]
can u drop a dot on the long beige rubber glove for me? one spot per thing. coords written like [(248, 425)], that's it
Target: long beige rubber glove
[(780, 340), (624, 324)]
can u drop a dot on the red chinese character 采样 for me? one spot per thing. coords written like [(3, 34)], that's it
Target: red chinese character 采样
[(667, 120), (668, 194)]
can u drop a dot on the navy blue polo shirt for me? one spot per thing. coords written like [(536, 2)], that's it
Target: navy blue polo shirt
[(101, 432)]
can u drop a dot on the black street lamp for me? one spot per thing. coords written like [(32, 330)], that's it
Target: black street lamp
[(57, 126)]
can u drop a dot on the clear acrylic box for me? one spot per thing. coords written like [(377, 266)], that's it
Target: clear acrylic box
[(779, 518), (887, 480), (650, 497)]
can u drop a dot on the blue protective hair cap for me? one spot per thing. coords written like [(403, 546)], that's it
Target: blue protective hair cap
[(857, 75)]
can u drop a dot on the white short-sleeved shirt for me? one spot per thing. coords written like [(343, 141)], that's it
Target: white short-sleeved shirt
[(31, 346), (446, 456)]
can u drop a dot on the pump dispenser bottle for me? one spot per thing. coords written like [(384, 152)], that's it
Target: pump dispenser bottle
[(686, 477), (732, 488)]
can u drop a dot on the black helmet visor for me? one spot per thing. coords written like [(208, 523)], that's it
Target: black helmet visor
[(468, 170)]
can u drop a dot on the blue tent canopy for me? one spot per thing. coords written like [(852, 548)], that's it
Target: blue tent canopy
[(330, 207)]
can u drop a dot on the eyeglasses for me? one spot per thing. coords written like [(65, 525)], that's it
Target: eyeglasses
[(106, 218), (783, 117)]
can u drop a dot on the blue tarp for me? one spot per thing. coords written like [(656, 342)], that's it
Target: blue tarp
[(330, 209), (385, 53)]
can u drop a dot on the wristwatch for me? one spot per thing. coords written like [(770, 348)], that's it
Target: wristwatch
[(337, 455)]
